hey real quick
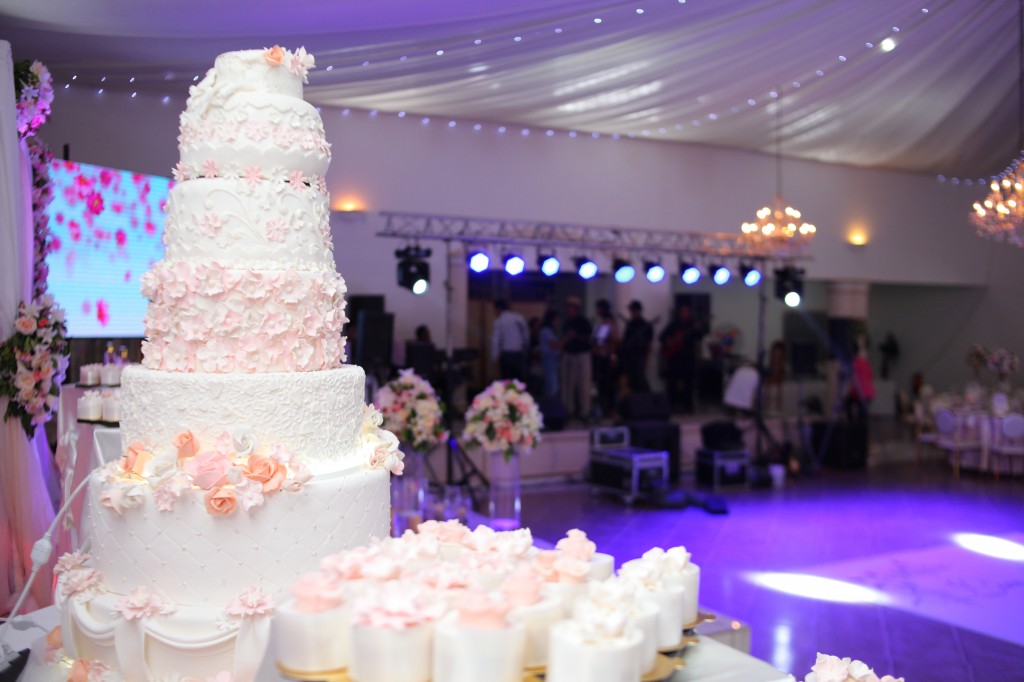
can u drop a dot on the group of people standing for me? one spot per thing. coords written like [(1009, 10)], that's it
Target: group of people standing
[(576, 355)]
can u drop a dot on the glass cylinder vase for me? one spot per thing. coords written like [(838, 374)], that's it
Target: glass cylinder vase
[(409, 492), (503, 504)]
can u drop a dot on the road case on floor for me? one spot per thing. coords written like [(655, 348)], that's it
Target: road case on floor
[(629, 472)]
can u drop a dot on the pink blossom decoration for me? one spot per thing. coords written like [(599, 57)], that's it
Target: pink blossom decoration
[(253, 175), (212, 222), (297, 179), (210, 168), (143, 603), (81, 582), (71, 561), (251, 603), (276, 229), (249, 493)]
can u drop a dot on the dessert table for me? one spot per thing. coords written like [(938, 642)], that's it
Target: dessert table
[(707, 661)]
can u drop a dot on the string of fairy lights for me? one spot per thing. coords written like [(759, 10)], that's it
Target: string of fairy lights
[(475, 49)]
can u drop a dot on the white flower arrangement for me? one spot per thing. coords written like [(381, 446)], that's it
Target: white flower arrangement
[(1003, 362), (412, 411), (503, 417), (33, 362)]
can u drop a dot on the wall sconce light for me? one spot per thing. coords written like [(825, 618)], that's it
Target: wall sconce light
[(857, 237), (349, 207)]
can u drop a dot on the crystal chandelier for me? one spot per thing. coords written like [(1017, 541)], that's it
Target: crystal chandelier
[(779, 228), (1000, 215)]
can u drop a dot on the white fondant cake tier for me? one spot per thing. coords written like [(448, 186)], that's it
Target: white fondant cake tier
[(235, 221), (316, 415), (256, 129), (242, 71), (194, 558), (204, 317)]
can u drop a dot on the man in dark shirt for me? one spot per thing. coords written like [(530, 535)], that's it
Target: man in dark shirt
[(679, 342), (576, 370), (636, 345)]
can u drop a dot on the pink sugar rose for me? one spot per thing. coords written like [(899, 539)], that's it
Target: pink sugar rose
[(187, 445), (70, 561), (54, 643), (267, 471), (208, 469), (25, 325), (221, 502)]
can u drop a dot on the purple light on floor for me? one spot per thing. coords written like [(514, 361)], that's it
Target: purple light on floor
[(990, 545), (816, 587)]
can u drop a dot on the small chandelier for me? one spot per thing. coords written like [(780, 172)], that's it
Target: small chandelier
[(779, 224), (779, 228), (1000, 215)]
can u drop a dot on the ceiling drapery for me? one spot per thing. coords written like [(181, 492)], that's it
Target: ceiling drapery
[(942, 100)]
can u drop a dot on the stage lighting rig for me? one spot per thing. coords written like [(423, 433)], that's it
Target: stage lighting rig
[(789, 285), (514, 264), (478, 260), (624, 271), (586, 268), (548, 264), (720, 274), (413, 269), (655, 273), (689, 273), (751, 275)]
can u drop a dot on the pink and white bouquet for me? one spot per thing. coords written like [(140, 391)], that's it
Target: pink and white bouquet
[(34, 91), (502, 418), (33, 362), (835, 669), (412, 411), (1003, 362)]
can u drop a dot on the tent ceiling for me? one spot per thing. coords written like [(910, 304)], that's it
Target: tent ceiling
[(944, 100)]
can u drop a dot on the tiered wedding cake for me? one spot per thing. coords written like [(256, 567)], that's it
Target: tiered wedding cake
[(248, 452)]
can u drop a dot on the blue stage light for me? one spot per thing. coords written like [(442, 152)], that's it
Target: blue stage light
[(479, 261), (549, 265), (690, 274), (514, 265), (586, 268), (624, 272), (655, 273)]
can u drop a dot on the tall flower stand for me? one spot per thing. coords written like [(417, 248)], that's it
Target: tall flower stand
[(503, 504), (409, 493)]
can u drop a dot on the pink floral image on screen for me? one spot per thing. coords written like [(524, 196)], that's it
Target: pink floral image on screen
[(107, 231)]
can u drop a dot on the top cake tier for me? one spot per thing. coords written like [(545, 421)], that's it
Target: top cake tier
[(248, 112)]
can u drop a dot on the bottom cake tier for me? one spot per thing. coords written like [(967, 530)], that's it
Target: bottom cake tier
[(166, 592)]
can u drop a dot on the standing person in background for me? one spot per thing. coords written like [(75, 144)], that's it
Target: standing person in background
[(549, 347), (862, 385), (679, 341), (576, 370), (636, 345), (509, 342), (603, 352)]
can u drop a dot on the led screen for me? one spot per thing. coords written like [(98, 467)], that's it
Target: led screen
[(107, 230)]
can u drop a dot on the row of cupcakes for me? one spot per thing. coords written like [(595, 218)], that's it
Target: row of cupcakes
[(100, 406), (450, 605)]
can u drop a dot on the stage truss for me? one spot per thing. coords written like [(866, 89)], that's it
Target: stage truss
[(580, 239)]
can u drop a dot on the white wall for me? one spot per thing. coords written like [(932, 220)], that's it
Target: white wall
[(918, 228)]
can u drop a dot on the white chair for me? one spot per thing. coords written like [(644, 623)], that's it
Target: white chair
[(924, 429), (955, 437), (741, 392), (1008, 441)]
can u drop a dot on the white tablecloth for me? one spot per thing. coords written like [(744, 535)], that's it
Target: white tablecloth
[(708, 661)]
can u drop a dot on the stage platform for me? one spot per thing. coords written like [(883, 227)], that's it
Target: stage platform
[(564, 455)]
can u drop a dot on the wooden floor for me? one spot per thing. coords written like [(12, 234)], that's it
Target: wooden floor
[(900, 517)]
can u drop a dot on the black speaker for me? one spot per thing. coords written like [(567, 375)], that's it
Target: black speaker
[(374, 339), (803, 357), (847, 447), (645, 406), (555, 414), (722, 436)]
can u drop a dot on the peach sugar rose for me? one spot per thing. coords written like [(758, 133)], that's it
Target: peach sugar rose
[(274, 55), (187, 445), (135, 458), (266, 471), (221, 502)]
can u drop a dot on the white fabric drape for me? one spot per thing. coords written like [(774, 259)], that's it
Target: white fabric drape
[(943, 100), (25, 510)]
